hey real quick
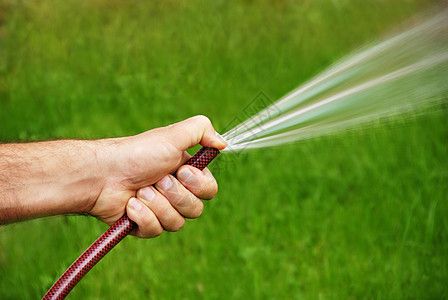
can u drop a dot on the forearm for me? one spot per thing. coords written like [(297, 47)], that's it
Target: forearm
[(48, 178)]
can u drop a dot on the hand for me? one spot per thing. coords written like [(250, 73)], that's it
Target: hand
[(133, 164)]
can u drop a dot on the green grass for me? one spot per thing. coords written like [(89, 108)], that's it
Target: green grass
[(356, 216)]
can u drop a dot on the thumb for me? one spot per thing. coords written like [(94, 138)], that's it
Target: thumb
[(193, 131)]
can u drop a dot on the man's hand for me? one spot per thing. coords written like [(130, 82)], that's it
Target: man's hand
[(107, 178), (138, 162)]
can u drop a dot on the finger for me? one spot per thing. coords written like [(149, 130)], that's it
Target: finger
[(180, 198), (200, 183), (193, 131), (167, 215), (185, 157), (148, 224)]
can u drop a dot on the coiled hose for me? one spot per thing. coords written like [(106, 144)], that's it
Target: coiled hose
[(118, 231)]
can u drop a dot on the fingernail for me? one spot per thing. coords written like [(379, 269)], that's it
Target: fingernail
[(135, 204), (222, 140), (165, 183), (147, 193), (185, 175)]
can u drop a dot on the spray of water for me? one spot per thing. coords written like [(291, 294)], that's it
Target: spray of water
[(405, 73)]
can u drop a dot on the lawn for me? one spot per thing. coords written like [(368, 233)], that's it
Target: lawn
[(352, 216)]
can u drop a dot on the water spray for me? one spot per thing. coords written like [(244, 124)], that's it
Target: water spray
[(405, 73)]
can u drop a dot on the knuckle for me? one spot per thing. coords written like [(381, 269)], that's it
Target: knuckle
[(164, 213), (195, 185), (192, 200), (180, 200), (177, 224), (197, 210), (146, 220), (209, 186), (169, 222), (150, 227), (200, 188), (203, 119), (157, 231), (213, 189), (208, 190)]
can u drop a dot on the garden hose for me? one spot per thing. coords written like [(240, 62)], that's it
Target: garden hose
[(109, 239)]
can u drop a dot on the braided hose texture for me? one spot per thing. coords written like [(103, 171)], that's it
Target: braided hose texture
[(118, 231)]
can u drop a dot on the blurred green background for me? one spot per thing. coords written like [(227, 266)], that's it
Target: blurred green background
[(352, 216)]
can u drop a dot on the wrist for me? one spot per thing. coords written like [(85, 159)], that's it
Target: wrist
[(74, 177), (92, 175)]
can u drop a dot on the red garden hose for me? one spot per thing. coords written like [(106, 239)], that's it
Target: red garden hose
[(110, 238)]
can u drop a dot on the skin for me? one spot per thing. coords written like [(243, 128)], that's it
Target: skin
[(106, 178)]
